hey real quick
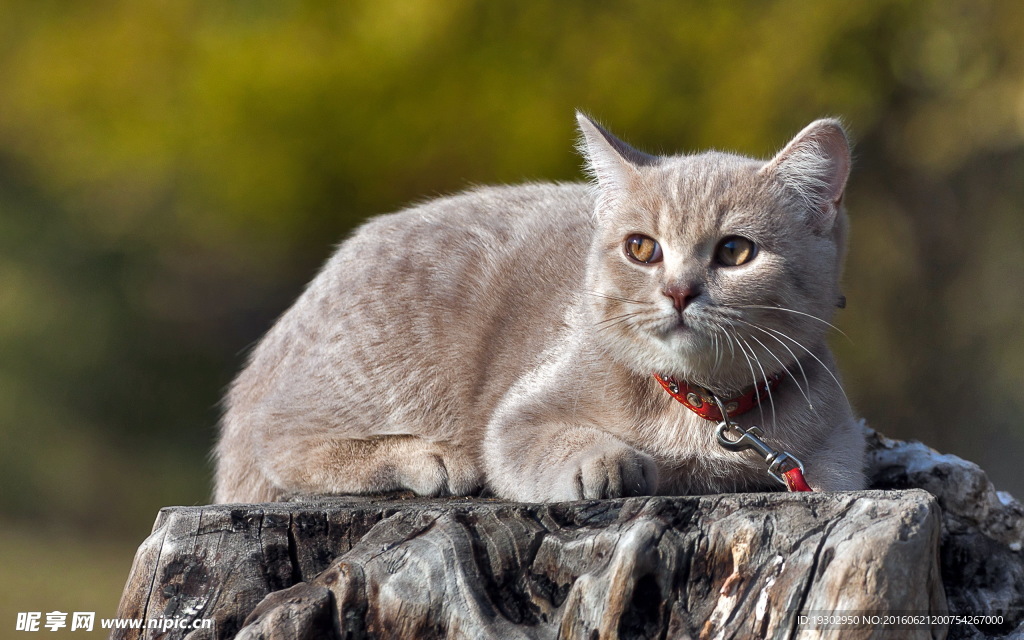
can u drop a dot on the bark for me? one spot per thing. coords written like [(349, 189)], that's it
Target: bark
[(725, 566)]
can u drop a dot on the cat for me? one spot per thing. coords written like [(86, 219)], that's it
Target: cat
[(505, 338)]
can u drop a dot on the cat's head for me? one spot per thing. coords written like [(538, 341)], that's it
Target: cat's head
[(714, 267)]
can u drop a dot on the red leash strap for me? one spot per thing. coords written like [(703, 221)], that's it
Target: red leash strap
[(795, 480)]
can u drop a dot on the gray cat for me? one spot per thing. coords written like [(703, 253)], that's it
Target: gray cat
[(506, 338)]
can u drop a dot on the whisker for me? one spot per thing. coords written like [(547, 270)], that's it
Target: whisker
[(803, 374), (612, 325), (753, 376), (732, 350), (719, 345), (768, 388), (811, 316), (617, 298), (718, 352), (614, 318), (810, 353), (784, 368)]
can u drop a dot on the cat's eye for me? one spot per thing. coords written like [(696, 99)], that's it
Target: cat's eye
[(735, 250), (643, 249)]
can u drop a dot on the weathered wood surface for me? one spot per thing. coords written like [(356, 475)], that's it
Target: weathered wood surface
[(742, 564), (729, 566)]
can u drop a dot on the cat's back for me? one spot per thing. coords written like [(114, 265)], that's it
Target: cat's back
[(466, 250), (448, 300), (496, 221)]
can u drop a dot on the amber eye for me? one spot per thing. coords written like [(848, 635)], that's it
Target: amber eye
[(643, 249), (735, 250)]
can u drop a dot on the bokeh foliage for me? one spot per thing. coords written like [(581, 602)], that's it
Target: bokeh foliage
[(172, 173)]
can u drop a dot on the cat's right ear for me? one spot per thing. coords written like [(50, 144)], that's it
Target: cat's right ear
[(611, 162)]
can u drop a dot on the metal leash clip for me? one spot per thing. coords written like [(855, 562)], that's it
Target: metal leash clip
[(779, 462)]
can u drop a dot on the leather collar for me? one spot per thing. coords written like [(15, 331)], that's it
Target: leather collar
[(700, 401)]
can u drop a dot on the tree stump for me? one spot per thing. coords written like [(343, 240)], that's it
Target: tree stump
[(724, 566)]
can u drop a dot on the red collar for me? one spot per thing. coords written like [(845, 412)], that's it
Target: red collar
[(698, 399)]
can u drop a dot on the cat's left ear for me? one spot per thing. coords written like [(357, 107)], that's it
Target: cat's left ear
[(612, 162), (814, 167)]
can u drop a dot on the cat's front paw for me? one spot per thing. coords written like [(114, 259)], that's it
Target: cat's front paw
[(436, 469), (606, 471)]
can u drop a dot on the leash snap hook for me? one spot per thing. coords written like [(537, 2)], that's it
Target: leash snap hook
[(779, 463), (749, 438)]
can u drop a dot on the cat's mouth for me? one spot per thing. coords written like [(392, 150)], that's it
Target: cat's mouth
[(686, 331), (680, 334), (679, 323)]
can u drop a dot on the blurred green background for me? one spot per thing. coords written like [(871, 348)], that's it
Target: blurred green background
[(172, 174)]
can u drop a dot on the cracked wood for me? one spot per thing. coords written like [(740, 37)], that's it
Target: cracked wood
[(718, 566)]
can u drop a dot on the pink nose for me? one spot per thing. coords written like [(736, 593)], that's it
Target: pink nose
[(681, 295)]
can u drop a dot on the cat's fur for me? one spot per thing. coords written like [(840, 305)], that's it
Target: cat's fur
[(501, 338)]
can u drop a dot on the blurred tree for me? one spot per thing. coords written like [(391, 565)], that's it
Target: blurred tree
[(172, 173)]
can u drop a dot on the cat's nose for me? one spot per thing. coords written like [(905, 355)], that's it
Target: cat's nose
[(681, 295)]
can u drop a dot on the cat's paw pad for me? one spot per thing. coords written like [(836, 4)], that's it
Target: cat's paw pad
[(612, 472)]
